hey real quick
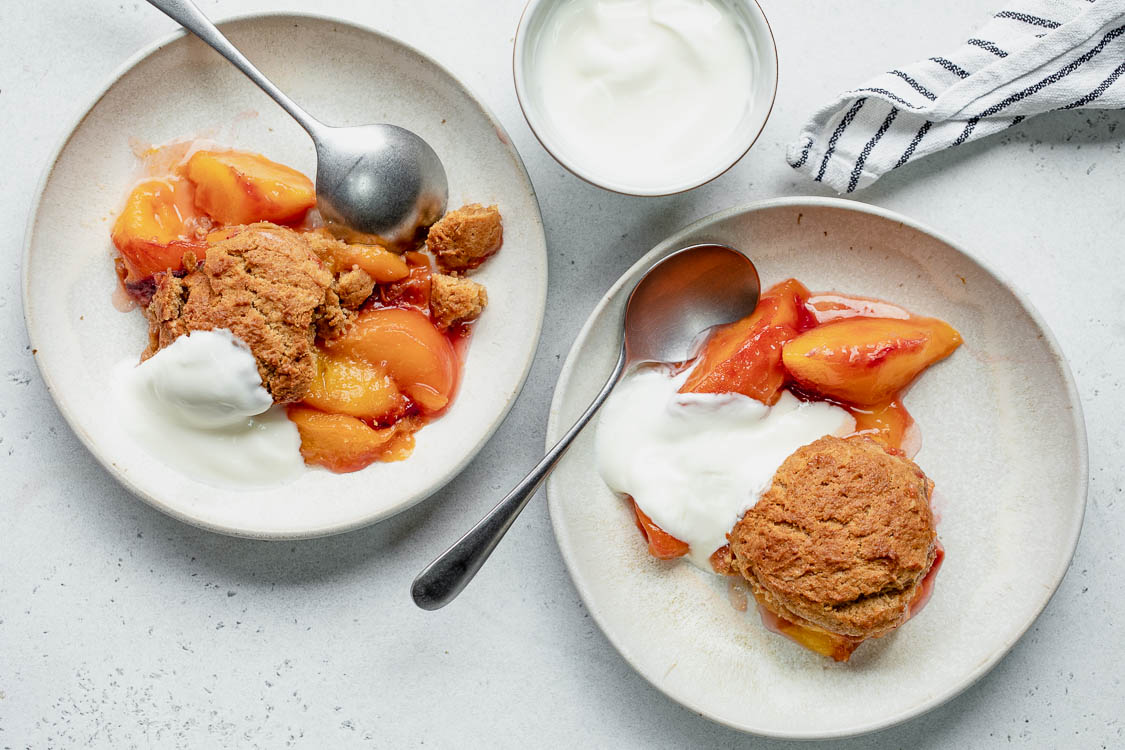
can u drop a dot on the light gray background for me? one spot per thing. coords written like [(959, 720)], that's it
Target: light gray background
[(120, 627)]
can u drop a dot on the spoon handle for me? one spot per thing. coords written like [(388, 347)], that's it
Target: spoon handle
[(451, 571), (185, 13)]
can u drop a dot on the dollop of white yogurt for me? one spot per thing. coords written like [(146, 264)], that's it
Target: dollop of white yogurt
[(695, 463), (645, 93), (200, 407)]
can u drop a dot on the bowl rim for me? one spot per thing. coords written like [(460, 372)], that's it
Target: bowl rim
[(518, 77), (83, 110), (667, 245)]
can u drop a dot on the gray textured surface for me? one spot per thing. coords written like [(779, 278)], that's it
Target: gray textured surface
[(120, 627)]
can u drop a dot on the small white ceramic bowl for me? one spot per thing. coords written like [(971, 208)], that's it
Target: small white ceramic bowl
[(752, 23)]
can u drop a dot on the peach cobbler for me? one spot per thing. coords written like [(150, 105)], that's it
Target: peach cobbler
[(781, 456), (360, 344)]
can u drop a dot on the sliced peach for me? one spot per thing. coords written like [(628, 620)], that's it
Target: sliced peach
[(825, 307), (887, 423), (153, 231), (382, 265), (352, 237), (356, 388), (234, 187), (866, 361), (661, 544), (337, 441), (745, 356), (404, 342), (722, 561), (414, 259), (833, 645)]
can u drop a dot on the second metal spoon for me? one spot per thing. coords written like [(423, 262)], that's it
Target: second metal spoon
[(679, 298)]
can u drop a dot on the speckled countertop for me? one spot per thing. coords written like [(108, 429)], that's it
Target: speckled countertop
[(120, 627)]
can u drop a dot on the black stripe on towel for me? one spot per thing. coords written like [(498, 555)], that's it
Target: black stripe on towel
[(868, 148), (988, 46), (1058, 75), (1099, 90), (1028, 18), (969, 128), (1055, 77), (804, 155), (952, 67), (888, 94), (913, 144), (836, 135), (915, 85)]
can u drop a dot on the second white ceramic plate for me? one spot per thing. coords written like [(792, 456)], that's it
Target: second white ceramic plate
[(1003, 438), (182, 89)]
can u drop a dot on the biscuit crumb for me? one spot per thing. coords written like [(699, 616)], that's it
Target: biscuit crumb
[(354, 287), (454, 300), (463, 239)]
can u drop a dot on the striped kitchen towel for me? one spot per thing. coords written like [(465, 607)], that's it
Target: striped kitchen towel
[(1035, 56)]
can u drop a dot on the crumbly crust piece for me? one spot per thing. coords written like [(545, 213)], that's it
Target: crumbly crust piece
[(842, 539), (463, 239), (353, 287), (455, 300), (267, 286), (352, 284)]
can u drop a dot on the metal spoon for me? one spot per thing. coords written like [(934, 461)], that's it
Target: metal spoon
[(678, 299), (374, 179)]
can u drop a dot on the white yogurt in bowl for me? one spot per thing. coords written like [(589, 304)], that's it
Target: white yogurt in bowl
[(646, 97)]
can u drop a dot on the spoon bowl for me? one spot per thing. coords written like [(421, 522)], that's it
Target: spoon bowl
[(379, 180), (680, 298), (684, 295)]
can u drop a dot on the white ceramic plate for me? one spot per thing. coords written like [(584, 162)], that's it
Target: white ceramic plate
[(1003, 438), (180, 89)]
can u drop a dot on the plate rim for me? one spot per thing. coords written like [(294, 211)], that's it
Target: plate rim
[(554, 432), (83, 110)]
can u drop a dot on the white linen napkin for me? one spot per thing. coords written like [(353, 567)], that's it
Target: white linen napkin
[(1034, 56)]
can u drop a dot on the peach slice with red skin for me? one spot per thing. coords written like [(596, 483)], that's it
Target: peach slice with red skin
[(356, 388), (867, 361), (235, 187), (661, 544), (404, 342), (337, 441), (745, 356), (826, 307), (152, 232)]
